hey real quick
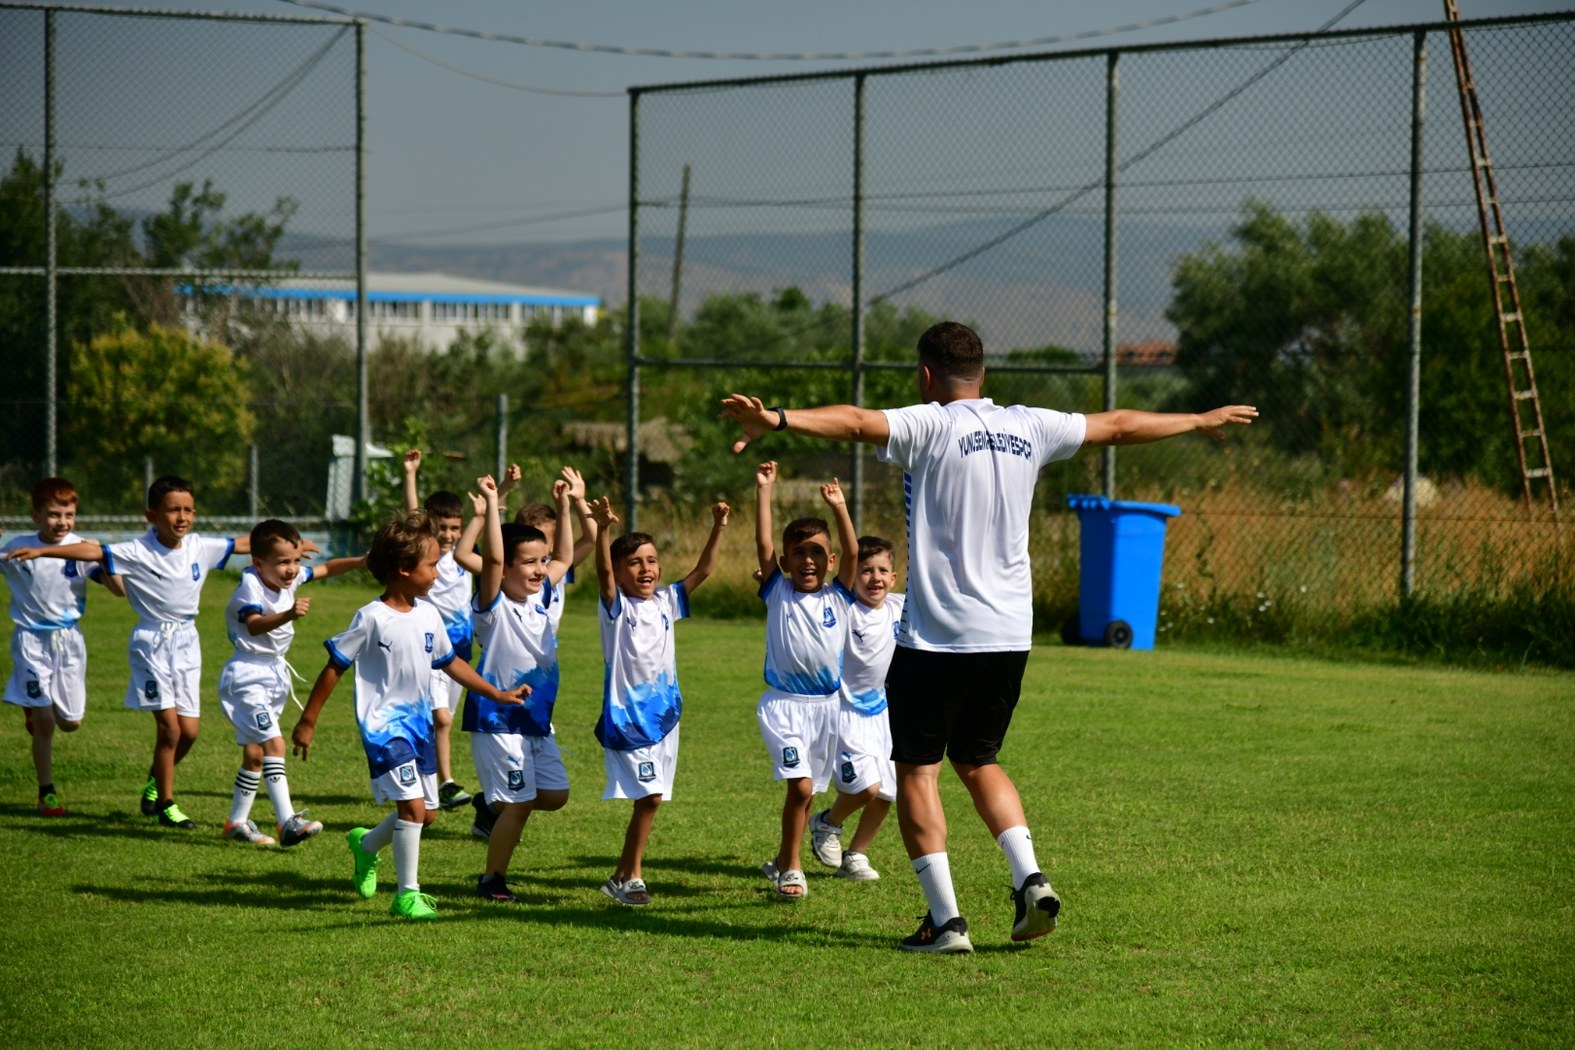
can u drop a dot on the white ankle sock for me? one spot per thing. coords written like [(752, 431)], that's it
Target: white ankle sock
[(935, 878), (407, 854), (1018, 845), (245, 794), (381, 835), (278, 789)]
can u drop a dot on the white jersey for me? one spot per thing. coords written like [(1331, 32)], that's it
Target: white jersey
[(394, 654), (163, 584), (47, 594), (970, 470), (252, 595), (450, 595), (805, 635), (518, 645), (872, 638), (641, 703)]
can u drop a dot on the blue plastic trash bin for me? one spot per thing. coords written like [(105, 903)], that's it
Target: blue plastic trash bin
[(1122, 551)]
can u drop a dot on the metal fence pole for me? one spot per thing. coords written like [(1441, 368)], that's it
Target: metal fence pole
[(51, 249), (1112, 92), (856, 479), (502, 437), (1413, 389), (632, 466), (363, 422), (253, 482)]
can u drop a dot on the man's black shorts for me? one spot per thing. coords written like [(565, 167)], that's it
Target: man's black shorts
[(954, 705)]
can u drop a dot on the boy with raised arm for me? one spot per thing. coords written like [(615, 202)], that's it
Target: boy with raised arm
[(394, 643), (641, 704), (806, 628)]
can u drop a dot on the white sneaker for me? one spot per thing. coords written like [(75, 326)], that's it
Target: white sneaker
[(856, 866), (825, 839)]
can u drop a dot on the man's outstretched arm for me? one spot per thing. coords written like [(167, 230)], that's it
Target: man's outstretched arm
[(836, 422), (1127, 426)]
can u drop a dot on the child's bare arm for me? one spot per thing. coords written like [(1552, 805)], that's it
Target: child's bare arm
[(604, 519), (338, 567), (412, 464), (465, 555), (707, 563), (492, 546), (306, 725), (511, 477), (765, 546), (847, 535), (262, 623), (566, 492), (466, 676), (113, 584), (87, 550)]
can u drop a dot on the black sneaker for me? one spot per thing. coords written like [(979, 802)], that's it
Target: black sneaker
[(950, 938), (485, 818), (451, 795), (1037, 907), (172, 817), (495, 889)]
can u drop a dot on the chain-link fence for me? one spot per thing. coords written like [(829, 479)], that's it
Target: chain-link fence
[(1240, 213)]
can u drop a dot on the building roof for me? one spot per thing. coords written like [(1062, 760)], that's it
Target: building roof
[(430, 287)]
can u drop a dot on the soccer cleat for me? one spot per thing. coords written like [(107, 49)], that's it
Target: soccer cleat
[(495, 889), (856, 866), (49, 805), (826, 839), (413, 904), (451, 795), (948, 939), (298, 829), (172, 817), (1037, 907), (246, 831), (365, 878), (481, 827), (150, 798)]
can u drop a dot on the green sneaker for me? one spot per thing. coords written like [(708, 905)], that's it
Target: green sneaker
[(365, 863), (413, 904), (172, 817), (150, 799)]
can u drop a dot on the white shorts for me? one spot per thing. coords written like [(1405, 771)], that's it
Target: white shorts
[(512, 767), (252, 695), (445, 691), (49, 668), (800, 733), (864, 753), (406, 782), (166, 669), (643, 771)]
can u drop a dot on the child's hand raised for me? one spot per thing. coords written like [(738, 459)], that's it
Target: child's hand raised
[(412, 461), (602, 512), (487, 486), (766, 474), (511, 477), (719, 514), (576, 483), (831, 491)]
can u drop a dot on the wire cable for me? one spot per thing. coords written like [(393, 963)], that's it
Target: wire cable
[(493, 80)]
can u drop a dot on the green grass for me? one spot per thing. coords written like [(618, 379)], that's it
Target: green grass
[(1253, 851)]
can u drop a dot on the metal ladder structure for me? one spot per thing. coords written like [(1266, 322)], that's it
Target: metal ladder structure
[(1531, 441)]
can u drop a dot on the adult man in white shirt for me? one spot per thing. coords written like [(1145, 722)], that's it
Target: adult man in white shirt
[(970, 467)]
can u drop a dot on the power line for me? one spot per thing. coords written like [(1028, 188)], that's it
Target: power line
[(493, 80), (825, 56)]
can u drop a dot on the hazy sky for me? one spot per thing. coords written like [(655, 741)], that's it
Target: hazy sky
[(453, 153)]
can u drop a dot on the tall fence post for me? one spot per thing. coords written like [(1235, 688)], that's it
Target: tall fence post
[(363, 422), (502, 437), (856, 468), (51, 248), (253, 483), (632, 466), (1107, 455), (1413, 389)]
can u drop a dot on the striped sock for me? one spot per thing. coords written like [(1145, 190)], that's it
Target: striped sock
[(246, 783), (278, 789)]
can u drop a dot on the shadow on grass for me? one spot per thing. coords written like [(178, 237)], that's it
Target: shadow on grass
[(285, 890)]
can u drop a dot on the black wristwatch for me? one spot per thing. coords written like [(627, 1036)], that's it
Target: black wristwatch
[(781, 417)]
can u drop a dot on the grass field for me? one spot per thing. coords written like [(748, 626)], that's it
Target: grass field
[(1252, 851)]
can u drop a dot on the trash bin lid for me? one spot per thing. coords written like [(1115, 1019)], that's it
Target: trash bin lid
[(1081, 503)]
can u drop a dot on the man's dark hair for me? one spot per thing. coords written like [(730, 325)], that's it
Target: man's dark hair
[(803, 529), (266, 533), (444, 504), (952, 351), (869, 546), (162, 487), (514, 535), (628, 543)]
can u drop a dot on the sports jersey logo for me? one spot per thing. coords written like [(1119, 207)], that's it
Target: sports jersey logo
[(828, 618), (790, 757), (667, 625), (34, 691), (847, 773), (387, 647), (407, 774), (516, 779), (858, 635), (196, 572), (429, 641), (263, 721), (151, 690), (71, 570), (646, 772)]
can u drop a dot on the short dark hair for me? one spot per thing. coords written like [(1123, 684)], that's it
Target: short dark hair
[(514, 535), (53, 490), (444, 504), (399, 544), (803, 529), (266, 533), (628, 543), (869, 546), (162, 487), (537, 514), (952, 351)]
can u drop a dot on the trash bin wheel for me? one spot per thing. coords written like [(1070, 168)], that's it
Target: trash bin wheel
[(1072, 632), (1118, 635)]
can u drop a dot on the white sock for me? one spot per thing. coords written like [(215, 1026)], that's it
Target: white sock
[(278, 789), (381, 835), (407, 854), (1018, 845), (935, 878), (245, 794)]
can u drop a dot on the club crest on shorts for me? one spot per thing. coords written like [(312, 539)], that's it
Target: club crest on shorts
[(429, 641), (827, 617), (645, 772), (151, 690), (263, 720), (34, 690), (407, 774), (516, 779), (790, 757), (847, 773)]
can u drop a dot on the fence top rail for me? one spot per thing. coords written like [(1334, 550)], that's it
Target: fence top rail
[(146, 12), (1302, 37)]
